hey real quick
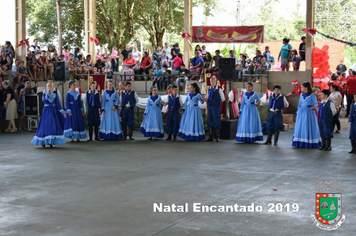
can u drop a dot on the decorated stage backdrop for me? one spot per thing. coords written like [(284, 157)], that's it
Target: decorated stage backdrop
[(226, 34)]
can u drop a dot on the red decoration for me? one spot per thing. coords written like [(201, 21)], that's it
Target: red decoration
[(185, 35), (26, 41), (267, 94), (94, 40), (310, 31)]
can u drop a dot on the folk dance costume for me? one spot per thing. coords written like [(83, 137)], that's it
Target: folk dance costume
[(74, 125), (173, 117), (50, 128), (275, 118), (92, 104), (249, 129), (326, 112), (191, 125), (152, 124), (352, 135), (306, 132), (128, 103), (215, 98), (110, 128)]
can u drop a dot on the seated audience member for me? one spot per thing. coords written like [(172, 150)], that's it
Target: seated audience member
[(31, 65), (37, 84), (271, 63), (262, 67), (205, 66), (42, 62), (16, 77), (129, 63), (243, 66), (89, 64), (183, 75), (66, 53), (158, 77), (5, 64), (198, 49), (146, 65), (61, 57), (166, 76), (301, 53), (215, 61), (197, 63), (232, 55), (177, 61), (255, 63), (99, 65), (49, 64), (164, 58), (23, 71), (203, 51)]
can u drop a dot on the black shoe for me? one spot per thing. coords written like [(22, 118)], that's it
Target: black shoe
[(353, 144), (328, 145), (97, 139), (124, 130), (89, 139), (210, 139), (323, 144), (276, 136), (217, 135), (169, 137), (51, 146), (269, 138), (78, 140), (174, 137), (44, 145), (150, 138), (72, 141), (131, 132)]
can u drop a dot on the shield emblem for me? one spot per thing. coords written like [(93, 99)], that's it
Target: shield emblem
[(200, 32), (328, 207)]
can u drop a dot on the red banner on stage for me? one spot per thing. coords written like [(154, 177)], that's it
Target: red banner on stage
[(100, 81), (221, 84), (234, 34)]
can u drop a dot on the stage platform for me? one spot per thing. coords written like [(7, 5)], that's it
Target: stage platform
[(109, 187)]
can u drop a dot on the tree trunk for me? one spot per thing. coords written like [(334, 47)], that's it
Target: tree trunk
[(59, 22)]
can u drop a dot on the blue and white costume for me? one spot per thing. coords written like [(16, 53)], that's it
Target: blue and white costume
[(127, 105), (50, 128), (152, 124), (191, 125), (74, 125), (249, 128), (173, 117), (326, 112), (215, 98), (306, 132), (110, 128)]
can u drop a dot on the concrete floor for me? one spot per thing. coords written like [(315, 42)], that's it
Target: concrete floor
[(108, 188)]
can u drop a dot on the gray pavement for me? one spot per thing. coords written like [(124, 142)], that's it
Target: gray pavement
[(108, 188)]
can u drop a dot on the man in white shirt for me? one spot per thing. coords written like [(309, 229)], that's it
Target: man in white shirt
[(168, 51), (36, 48), (232, 55)]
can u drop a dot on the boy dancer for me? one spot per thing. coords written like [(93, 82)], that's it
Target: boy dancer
[(92, 104), (215, 98), (352, 120), (128, 101), (275, 119), (326, 112), (173, 118)]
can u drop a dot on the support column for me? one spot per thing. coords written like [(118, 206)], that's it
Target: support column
[(90, 26), (20, 31), (309, 40), (188, 17)]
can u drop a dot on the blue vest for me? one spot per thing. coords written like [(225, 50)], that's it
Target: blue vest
[(352, 117), (326, 113), (279, 102), (132, 99), (170, 102), (214, 99), (96, 99)]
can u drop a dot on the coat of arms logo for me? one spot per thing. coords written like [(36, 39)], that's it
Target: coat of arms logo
[(328, 206)]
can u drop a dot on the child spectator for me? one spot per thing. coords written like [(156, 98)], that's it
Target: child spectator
[(336, 98), (31, 65), (23, 71), (158, 77), (66, 53), (294, 59), (297, 88), (71, 65), (166, 76), (115, 59), (301, 53), (285, 54), (164, 59), (197, 63), (183, 75), (326, 112), (207, 61)]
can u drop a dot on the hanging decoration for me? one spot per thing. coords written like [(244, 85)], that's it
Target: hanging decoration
[(25, 41), (313, 31), (320, 62), (94, 40)]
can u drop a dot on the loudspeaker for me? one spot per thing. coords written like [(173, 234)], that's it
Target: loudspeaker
[(33, 105), (228, 129), (61, 71), (227, 69), (32, 123)]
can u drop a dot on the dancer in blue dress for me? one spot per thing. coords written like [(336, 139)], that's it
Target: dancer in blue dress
[(50, 128), (306, 132), (249, 128), (192, 126), (352, 121), (173, 117), (110, 128), (215, 98), (275, 119), (152, 124), (74, 124)]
